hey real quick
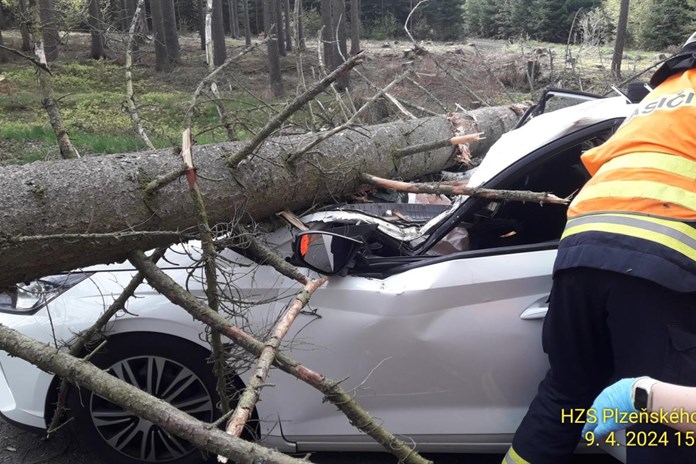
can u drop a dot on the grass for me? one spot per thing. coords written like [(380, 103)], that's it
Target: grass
[(91, 97)]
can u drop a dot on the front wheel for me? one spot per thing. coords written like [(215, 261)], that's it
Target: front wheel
[(167, 367)]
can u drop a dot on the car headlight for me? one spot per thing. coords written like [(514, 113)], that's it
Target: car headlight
[(32, 296)]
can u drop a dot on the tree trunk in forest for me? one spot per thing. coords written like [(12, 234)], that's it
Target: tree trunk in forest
[(258, 13), (299, 30), (354, 27), (288, 31), (171, 33), (327, 33), (141, 25), (279, 29), (201, 22), (3, 55), (23, 28), (95, 29), (218, 34), (147, 16), (49, 30), (123, 20), (41, 206), (269, 25), (617, 57), (247, 25), (3, 58), (161, 58), (233, 14), (67, 150), (341, 49), (334, 37)]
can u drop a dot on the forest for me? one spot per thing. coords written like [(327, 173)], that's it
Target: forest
[(652, 25)]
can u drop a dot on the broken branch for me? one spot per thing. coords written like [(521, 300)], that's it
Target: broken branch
[(292, 108), (351, 121), (88, 334), (406, 151), (330, 388), (247, 245), (460, 188), (250, 396)]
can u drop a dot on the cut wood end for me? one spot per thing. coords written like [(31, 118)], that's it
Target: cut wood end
[(186, 152), (467, 138)]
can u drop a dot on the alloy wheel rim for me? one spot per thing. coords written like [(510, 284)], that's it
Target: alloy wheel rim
[(138, 438)]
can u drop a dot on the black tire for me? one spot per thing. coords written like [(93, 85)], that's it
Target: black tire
[(178, 373)]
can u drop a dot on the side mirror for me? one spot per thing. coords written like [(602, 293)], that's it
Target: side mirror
[(325, 252)]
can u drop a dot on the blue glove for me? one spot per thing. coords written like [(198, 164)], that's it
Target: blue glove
[(614, 397)]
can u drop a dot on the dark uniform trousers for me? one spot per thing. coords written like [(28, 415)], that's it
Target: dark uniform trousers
[(603, 326)]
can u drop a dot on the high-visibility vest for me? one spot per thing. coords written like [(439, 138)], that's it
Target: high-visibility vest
[(649, 165), (635, 215)]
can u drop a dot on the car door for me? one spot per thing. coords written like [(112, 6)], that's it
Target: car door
[(436, 352)]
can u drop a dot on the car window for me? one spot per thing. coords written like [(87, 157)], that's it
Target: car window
[(495, 224)]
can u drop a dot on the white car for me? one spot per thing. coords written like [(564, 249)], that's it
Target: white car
[(434, 322)]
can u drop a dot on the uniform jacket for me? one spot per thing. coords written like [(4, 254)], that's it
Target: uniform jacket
[(636, 214)]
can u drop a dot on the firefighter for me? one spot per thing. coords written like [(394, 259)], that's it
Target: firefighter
[(623, 302)]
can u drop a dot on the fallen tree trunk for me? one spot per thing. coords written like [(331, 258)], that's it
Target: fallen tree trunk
[(45, 204)]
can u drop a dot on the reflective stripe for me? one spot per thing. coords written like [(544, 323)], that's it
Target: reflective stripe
[(513, 458), (671, 234), (638, 189), (664, 162)]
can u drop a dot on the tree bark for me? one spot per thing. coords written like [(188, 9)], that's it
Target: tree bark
[(49, 30), (49, 102), (269, 23), (161, 58), (23, 29), (201, 22), (617, 57), (299, 29), (233, 18), (279, 29), (288, 31), (354, 27), (341, 48), (39, 199), (171, 34), (95, 30), (131, 43), (3, 58), (218, 34), (123, 15), (247, 25), (327, 33), (333, 36)]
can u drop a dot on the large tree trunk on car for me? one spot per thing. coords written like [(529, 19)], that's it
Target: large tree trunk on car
[(43, 203)]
